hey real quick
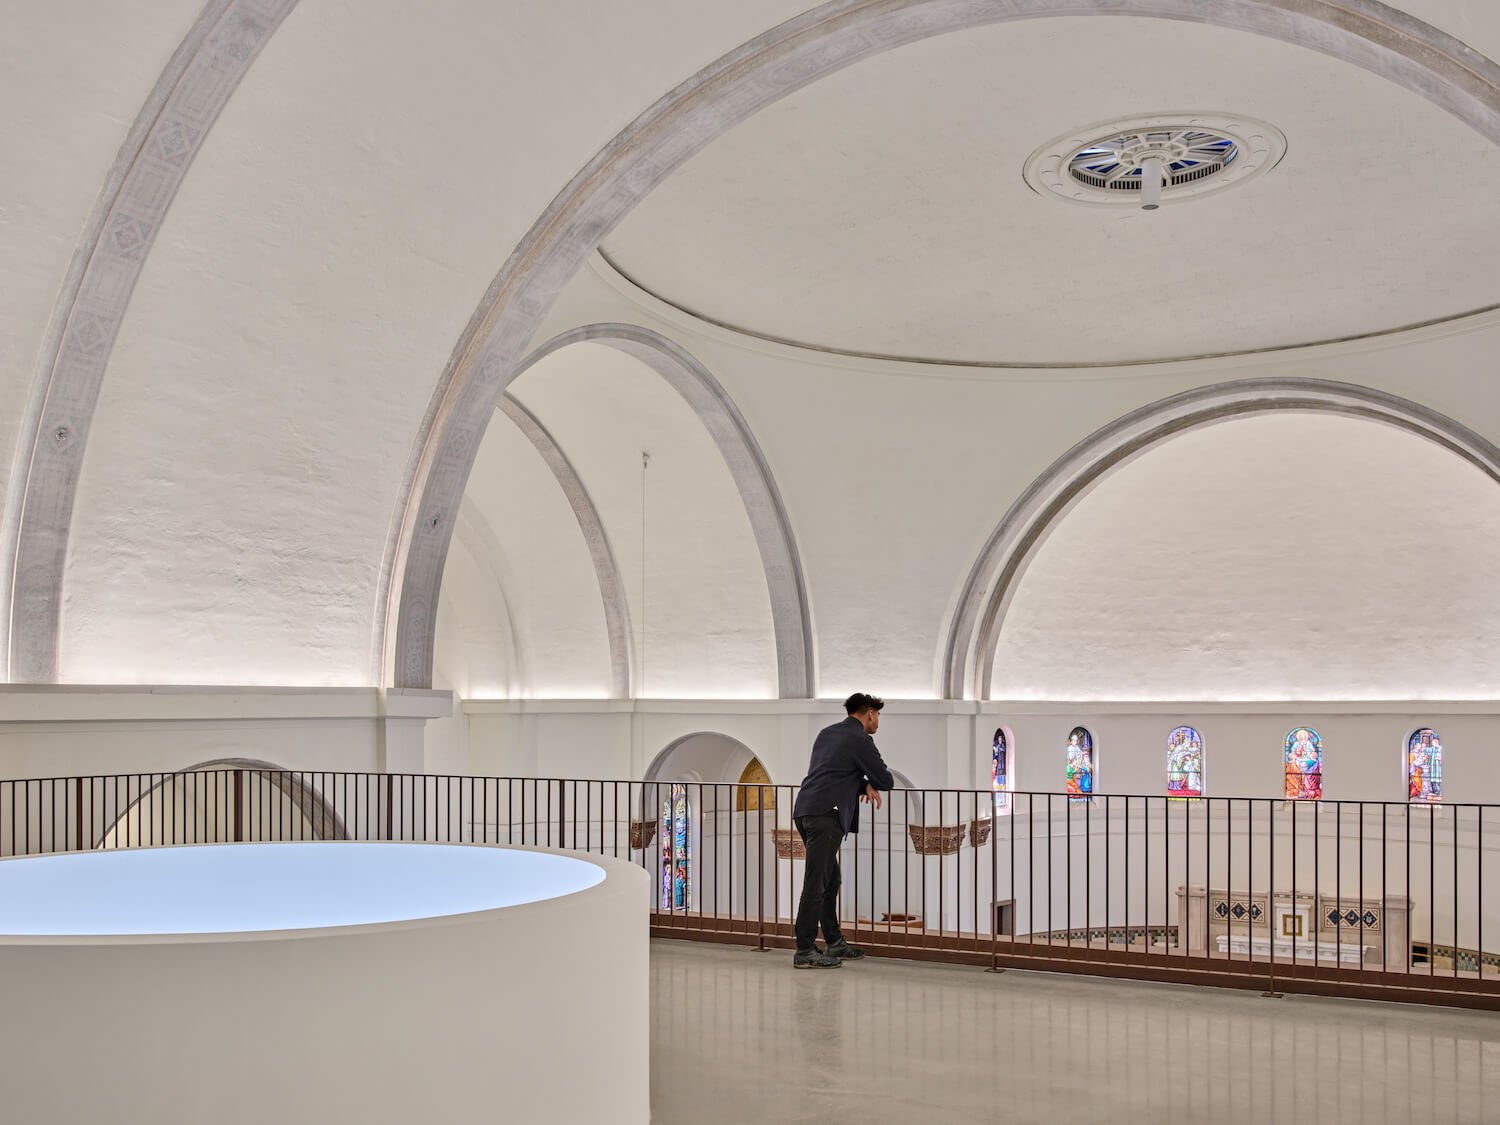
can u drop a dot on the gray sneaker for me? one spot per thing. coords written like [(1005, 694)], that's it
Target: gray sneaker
[(844, 951), (814, 959)]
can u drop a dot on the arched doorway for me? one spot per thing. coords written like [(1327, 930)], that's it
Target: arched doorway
[(705, 824)]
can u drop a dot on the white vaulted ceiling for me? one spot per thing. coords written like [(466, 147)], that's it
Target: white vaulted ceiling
[(883, 210), (240, 493)]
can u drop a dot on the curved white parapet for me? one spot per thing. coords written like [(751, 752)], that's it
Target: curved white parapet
[(368, 982)]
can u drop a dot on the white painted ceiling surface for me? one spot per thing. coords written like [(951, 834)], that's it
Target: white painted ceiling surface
[(72, 78), (1278, 557), (365, 182), (882, 209), (475, 656), (361, 189), (1475, 22), (524, 542)]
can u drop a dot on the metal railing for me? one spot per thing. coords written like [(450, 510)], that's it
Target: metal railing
[(1367, 899)]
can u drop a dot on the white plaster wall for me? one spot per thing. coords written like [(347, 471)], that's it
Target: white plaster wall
[(699, 606), (73, 76), (947, 745), (394, 1022), (60, 733), (1278, 557), (620, 740)]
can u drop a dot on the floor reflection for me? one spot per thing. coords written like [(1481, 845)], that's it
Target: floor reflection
[(739, 1036)]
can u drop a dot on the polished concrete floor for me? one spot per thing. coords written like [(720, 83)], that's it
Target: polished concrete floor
[(739, 1036)]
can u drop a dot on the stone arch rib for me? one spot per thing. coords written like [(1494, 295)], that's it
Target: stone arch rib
[(294, 785), (168, 132), (611, 586), (794, 54), (974, 632), (791, 614)]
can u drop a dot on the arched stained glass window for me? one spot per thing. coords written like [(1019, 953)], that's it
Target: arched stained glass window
[(1304, 765), (1424, 766), (1080, 769), (676, 850), (1185, 763), (1000, 769)]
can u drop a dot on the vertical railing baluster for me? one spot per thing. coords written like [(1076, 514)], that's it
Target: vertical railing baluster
[(1456, 944), (1478, 890), (1338, 887), (1271, 899), (1361, 892)]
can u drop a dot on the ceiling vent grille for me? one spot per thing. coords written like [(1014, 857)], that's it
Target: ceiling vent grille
[(1167, 157)]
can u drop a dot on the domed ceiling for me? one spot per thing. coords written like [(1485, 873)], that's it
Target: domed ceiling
[(882, 211)]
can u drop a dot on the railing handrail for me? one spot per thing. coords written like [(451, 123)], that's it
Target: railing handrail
[(980, 792), (1149, 885)]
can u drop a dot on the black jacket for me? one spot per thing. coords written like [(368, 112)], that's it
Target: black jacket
[(844, 761)]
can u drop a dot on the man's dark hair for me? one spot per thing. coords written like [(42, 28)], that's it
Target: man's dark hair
[(859, 701)]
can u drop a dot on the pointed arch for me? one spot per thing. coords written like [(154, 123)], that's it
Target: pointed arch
[(974, 630), (606, 570), (791, 615)]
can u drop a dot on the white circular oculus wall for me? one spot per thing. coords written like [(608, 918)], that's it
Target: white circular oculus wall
[(245, 888)]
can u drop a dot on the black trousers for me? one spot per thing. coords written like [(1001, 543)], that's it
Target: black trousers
[(823, 835)]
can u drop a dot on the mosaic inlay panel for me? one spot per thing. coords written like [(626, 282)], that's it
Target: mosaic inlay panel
[(1350, 916), (1251, 912)]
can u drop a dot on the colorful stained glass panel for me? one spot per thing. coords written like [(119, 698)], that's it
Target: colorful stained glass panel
[(1080, 766), (1185, 763), (1424, 766), (999, 770), (676, 850), (1304, 765)]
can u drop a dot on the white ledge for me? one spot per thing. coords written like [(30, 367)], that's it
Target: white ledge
[(74, 703)]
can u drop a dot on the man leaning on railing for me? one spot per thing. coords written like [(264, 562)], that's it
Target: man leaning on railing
[(845, 770)]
